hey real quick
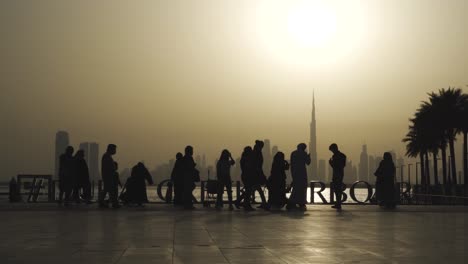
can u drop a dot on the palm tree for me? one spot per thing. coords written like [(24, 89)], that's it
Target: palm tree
[(415, 147), (432, 136), (463, 128), (447, 106)]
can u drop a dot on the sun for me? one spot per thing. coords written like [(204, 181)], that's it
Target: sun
[(311, 25), (310, 33)]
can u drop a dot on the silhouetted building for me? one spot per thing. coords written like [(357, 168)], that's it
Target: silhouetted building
[(321, 171), (313, 143), (91, 151), (62, 141), (355, 173), (203, 165), (364, 165), (349, 176)]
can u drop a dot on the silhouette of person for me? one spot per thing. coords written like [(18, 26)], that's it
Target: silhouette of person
[(259, 177), (136, 185), (177, 178), (247, 179), (66, 175), (110, 178), (190, 173), (13, 195), (299, 160), (277, 182), (223, 173), (337, 162), (385, 182), (82, 176)]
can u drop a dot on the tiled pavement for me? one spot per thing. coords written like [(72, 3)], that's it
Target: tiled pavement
[(43, 233)]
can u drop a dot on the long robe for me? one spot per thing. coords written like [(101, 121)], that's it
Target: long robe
[(67, 175), (82, 173), (277, 184), (136, 185), (385, 182), (177, 177), (299, 160)]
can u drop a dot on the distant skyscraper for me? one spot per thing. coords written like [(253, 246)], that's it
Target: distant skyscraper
[(198, 161), (355, 177), (313, 143), (91, 150), (364, 165), (203, 165), (321, 171), (62, 141)]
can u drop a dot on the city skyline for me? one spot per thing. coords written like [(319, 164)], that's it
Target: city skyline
[(171, 75)]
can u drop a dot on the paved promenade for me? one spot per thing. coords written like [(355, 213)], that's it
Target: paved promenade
[(43, 233)]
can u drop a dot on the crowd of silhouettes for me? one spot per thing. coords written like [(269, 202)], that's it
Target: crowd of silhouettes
[(75, 186), (73, 177)]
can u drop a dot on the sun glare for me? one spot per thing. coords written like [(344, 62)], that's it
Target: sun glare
[(309, 33), (312, 26)]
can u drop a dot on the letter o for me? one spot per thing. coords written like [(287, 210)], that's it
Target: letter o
[(369, 192)]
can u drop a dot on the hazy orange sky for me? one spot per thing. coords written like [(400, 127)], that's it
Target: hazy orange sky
[(153, 76)]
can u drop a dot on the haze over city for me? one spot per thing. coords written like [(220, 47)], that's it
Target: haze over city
[(153, 77)]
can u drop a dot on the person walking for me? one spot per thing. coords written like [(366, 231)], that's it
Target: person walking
[(110, 178)]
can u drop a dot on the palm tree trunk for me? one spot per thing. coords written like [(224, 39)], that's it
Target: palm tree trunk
[(453, 166), (465, 161), (444, 164), (423, 171), (428, 173), (436, 173)]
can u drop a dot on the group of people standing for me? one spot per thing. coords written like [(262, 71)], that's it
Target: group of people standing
[(75, 185), (74, 179), (184, 175)]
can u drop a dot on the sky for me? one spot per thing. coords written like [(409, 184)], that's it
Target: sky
[(154, 76)]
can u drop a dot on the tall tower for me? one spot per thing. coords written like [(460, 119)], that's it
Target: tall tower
[(313, 143), (61, 143)]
